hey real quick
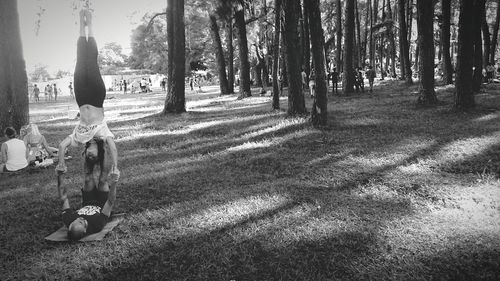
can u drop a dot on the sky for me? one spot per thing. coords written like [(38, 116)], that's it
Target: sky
[(55, 44)]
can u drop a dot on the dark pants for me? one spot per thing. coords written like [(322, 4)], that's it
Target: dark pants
[(89, 86)]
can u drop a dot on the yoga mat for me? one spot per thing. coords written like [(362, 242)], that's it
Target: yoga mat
[(61, 235)]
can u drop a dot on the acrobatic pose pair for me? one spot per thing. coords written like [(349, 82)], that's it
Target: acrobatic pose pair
[(93, 132)]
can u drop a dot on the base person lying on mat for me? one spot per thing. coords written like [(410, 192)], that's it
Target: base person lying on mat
[(97, 203)]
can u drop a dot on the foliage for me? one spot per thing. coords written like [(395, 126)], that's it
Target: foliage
[(39, 73), (149, 47)]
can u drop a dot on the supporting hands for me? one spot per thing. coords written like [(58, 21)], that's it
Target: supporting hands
[(114, 175), (61, 168)]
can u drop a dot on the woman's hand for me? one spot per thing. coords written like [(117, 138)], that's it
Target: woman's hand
[(61, 168), (114, 175)]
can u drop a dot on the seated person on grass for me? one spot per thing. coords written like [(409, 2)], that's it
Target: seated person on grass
[(97, 199), (13, 153), (90, 93), (38, 148)]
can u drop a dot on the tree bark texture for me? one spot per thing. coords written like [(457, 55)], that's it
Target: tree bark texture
[(14, 103), (464, 96), (404, 46), (446, 67), (276, 54), (296, 103), (494, 38), (348, 77), (338, 27), (176, 40), (219, 54), (307, 41), (319, 110), (425, 13), (243, 52), (478, 45), (230, 56)]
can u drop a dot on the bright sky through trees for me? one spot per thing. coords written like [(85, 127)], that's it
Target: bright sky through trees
[(55, 45)]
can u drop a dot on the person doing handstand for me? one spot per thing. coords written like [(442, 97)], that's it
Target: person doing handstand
[(90, 93), (97, 199)]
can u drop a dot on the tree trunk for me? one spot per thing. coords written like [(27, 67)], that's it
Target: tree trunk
[(447, 67), (403, 41), (348, 77), (478, 45), (176, 39), (392, 42), (307, 42), (486, 38), (464, 96), (230, 56), (219, 54), (296, 103), (494, 39), (319, 110), (425, 13), (371, 43), (276, 54), (358, 36), (14, 103), (338, 26), (243, 51)]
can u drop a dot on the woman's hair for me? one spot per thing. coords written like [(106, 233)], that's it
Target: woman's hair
[(34, 129), (10, 132), (100, 151)]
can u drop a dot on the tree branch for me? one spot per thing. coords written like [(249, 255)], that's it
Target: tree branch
[(150, 23)]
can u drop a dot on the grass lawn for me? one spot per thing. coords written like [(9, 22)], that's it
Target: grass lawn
[(231, 190)]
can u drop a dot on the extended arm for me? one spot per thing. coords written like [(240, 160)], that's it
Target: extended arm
[(62, 193), (114, 156), (108, 206), (61, 166)]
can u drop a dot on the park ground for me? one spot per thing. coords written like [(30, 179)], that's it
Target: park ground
[(232, 190)]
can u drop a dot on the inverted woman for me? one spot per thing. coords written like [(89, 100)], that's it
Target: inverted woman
[(90, 93)]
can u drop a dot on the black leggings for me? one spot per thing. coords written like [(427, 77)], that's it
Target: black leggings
[(89, 86)]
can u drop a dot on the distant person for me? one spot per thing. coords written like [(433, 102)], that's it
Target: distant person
[(36, 93), (490, 71), (312, 84), (36, 144), (124, 86), (49, 90), (304, 80), (335, 80), (163, 84), (14, 153), (191, 83), (71, 93), (55, 92), (370, 74), (359, 81)]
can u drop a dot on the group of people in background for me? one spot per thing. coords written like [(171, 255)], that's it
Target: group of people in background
[(334, 76), (50, 91)]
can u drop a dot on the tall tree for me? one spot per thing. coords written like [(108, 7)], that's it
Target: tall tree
[(404, 55), (338, 28), (348, 77), (445, 41), (478, 45), (494, 38), (296, 103), (276, 53), (239, 16), (319, 110), (14, 108), (219, 54), (176, 40), (464, 96), (306, 42), (425, 15)]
